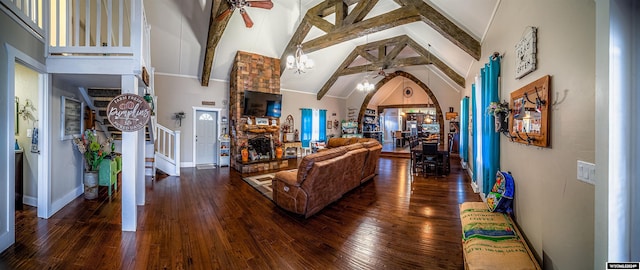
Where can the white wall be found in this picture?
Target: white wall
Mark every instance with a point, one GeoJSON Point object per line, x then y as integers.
{"type": "Point", "coordinates": [26, 87]}
{"type": "Point", "coordinates": [181, 94]}
{"type": "Point", "coordinates": [293, 101]}
{"type": "Point", "coordinates": [66, 173]}
{"type": "Point", "coordinates": [554, 210]}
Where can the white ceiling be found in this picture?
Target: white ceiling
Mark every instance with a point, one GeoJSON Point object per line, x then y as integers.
{"type": "Point", "coordinates": [179, 31]}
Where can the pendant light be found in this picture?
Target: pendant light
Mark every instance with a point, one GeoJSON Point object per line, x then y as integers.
{"type": "Point", "coordinates": [299, 62]}
{"type": "Point", "coordinates": [365, 85]}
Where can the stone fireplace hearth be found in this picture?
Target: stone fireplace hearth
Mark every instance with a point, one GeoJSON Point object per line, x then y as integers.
{"type": "Point", "coordinates": [263, 147]}
{"type": "Point", "coordinates": [261, 74]}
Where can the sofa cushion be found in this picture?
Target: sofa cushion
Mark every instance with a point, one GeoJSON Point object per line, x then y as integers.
{"type": "Point", "coordinates": [307, 162]}
{"type": "Point", "coordinates": [289, 177]}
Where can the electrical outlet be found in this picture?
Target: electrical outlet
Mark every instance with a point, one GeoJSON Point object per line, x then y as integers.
{"type": "Point", "coordinates": [29, 133]}
{"type": "Point", "coordinates": [586, 172]}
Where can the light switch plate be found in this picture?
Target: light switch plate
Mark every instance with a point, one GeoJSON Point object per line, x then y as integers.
{"type": "Point", "coordinates": [29, 132]}
{"type": "Point", "coordinates": [586, 172]}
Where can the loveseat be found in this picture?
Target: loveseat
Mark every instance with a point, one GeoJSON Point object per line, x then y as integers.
{"type": "Point", "coordinates": [323, 177]}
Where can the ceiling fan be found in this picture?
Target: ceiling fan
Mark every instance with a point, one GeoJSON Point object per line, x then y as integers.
{"type": "Point", "coordinates": [241, 4]}
{"type": "Point", "coordinates": [381, 72]}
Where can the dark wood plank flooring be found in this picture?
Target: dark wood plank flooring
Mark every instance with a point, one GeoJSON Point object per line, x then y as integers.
{"type": "Point", "coordinates": [212, 219]}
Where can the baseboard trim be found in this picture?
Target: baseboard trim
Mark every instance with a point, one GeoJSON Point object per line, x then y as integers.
{"type": "Point", "coordinates": [66, 199]}
{"type": "Point", "coordinates": [30, 201]}
{"type": "Point", "coordinates": [187, 165]}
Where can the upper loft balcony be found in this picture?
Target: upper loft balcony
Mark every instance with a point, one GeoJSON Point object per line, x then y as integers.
{"type": "Point", "coordinates": [89, 36]}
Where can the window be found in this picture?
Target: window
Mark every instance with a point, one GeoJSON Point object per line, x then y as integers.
{"type": "Point", "coordinates": [205, 117]}
{"type": "Point", "coordinates": [314, 126]}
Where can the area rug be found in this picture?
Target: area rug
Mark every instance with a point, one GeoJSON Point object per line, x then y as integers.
{"type": "Point", "coordinates": [261, 183]}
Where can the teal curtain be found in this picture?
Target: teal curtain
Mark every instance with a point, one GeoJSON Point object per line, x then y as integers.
{"type": "Point", "coordinates": [322, 134]}
{"type": "Point", "coordinates": [474, 151]}
{"type": "Point", "coordinates": [490, 138]}
{"type": "Point", "coordinates": [306, 128]}
{"type": "Point", "coordinates": [464, 129]}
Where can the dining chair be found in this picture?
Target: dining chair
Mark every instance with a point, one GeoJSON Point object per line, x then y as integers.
{"type": "Point", "coordinates": [430, 158]}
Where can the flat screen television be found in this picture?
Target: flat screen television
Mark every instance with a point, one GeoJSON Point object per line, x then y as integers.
{"type": "Point", "coordinates": [260, 104]}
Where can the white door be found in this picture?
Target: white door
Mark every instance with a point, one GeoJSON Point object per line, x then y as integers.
{"type": "Point", "coordinates": [206, 123]}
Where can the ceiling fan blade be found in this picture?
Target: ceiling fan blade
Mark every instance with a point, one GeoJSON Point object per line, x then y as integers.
{"type": "Point", "coordinates": [224, 14]}
{"type": "Point", "coordinates": [260, 4]}
{"type": "Point", "coordinates": [247, 20]}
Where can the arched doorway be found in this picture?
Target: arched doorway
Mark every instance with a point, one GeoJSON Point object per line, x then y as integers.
{"type": "Point", "coordinates": [422, 85]}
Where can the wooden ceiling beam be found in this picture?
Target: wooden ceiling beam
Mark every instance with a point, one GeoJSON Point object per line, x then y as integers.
{"type": "Point", "coordinates": [327, 85]}
{"type": "Point", "coordinates": [360, 11]}
{"type": "Point", "coordinates": [396, 63]}
{"type": "Point", "coordinates": [320, 23]}
{"type": "Point", "coordinates": [388, 60]}
{"type": "Point", "coordinates": [379, 23]}
{"type": "Point", "coordinates": [445, 27]}
{"type": "Point", "coordinates": [342, 11]}
{"type": "Point", "coordinates": [297, 38]}
{"type": "Point", "coordinates": [216, 29]}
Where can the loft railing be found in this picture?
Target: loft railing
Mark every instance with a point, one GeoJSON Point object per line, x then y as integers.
{"type": "Point", "coordinates": [99, 28]}
{"type": "Point", "coordinates": [30, 12]}
{"type": "Point", "coordinates": [168, 150]}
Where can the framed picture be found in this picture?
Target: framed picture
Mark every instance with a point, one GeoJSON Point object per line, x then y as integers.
{"type": "Point", "coordinates": [329, 124]}
{"type": "Point", "coordinates": [16, 124]}
{"type": "Point", "coordinates": [71, 116]}
{"type": "Point", "coordinates": [262, 121]}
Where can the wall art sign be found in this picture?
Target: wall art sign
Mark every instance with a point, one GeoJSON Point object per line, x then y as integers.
{"type": "Point", "coordinates": [128, 112]}
{"type": "Point", "coordinates": [71, 116]}
{"type": "Point", "coordinates": [526, 52]}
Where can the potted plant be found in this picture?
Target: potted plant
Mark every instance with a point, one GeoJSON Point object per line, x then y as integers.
{"type": "Point", "coordinates": [93, 152]}
{"type": "Point", "coordinates": [500, 110]}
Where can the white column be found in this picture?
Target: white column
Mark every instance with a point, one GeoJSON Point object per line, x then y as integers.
{"type": "Point", "coordinates": [140, 174]}
{"type": "Point", "coordinates": [129, 84]}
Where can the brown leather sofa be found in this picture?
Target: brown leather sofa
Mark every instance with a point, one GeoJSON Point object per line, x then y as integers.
{"type": "Point", "coordinates": [323, 177]}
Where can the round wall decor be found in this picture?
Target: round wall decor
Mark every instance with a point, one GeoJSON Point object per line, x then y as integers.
{"type": "Point", "coordinates": [128, 112]}
{"type": "Point", "coordinates": [408, 92]}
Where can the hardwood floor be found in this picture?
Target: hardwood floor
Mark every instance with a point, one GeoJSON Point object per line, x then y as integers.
{"type": "Point", "coordinates": [212, 219]}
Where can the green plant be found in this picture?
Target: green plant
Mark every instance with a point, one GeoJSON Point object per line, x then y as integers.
{"type": "Point", "coordinates": [92, 150]}
{"type": "Point", "coordinates": [498, 107]}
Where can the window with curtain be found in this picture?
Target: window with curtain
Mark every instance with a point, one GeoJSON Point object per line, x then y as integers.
{"type": "Point", "coordinates": [314, 126]}
{"type": "Point", "coordinates": [486, 142]}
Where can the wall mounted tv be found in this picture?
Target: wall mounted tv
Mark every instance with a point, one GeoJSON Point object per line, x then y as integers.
{"type": "Point", "coordinates": [260, 104]}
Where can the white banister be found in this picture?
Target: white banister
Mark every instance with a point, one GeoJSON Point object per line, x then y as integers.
{"type": "Point", "coordinates": [168, 150]}
{"type": "Point", "coordinates": [30, 12]}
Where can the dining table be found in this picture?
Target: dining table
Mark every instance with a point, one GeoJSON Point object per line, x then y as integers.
{"type": "Point", "coordinates": [442, 152]}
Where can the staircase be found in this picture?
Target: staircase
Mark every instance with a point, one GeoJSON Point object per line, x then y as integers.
{"type": "Point", "coordinates": [162, 147]}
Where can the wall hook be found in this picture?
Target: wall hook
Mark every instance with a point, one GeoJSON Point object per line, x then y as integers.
{"type": "Point", "coordinates": [539, 102]}
{"type": "Point", "coordinates": [527, 139]}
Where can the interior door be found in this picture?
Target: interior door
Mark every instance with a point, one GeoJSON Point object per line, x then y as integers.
{"type": "Point", "coordinates": [206, 136]}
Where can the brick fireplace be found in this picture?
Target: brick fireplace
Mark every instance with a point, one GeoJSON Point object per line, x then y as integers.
{"type": "Point", "coordinates": [262, 74]}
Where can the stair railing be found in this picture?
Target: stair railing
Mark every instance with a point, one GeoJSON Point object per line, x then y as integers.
{"type": "Point", "coordinates": [167, 149]}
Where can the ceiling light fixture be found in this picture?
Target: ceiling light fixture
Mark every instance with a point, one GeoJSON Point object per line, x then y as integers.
{"type": "Point", "coordinates": [365, 85]}
{"type": "Point", "coordinates": [299, 62]}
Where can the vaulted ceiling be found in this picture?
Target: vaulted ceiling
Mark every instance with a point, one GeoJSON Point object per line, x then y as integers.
{"type": "Point", "coordinates": [346, 39]}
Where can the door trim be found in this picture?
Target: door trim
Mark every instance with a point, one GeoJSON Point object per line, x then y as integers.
{"type": "Point", "coordinates": [193, 130]}
{"type": "Point", "coordinates": [14, 55]}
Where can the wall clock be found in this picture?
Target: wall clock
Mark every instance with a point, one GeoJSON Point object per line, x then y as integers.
{"type": "Point", "coordinates": [408, 92]}
{"type": "Point", "coordinates": [526, 53]}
